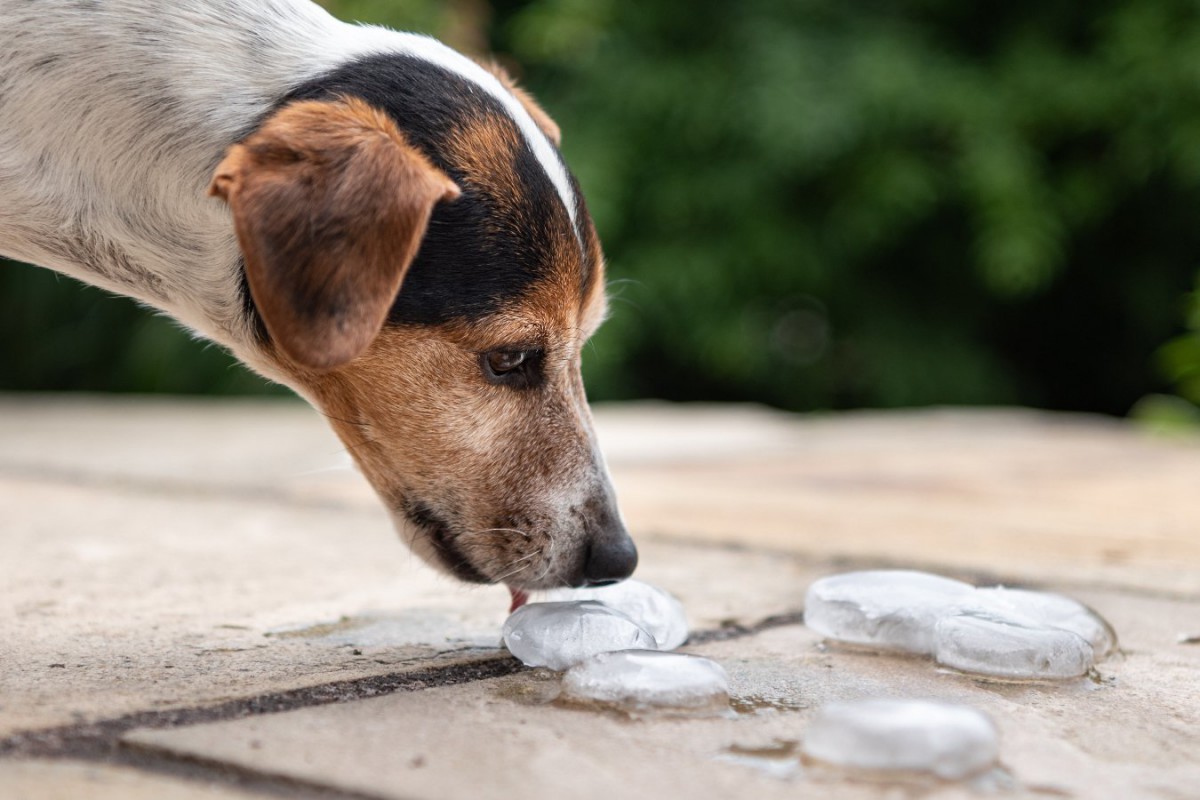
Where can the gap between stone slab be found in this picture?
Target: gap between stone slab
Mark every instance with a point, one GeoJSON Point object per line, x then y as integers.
{"type": "Point", "coordinates": [101, 741]}
{"type": "Point", "coordinates": [228, 776]}
{"type": "Point", "coordinates": [254, 495]}
{"type": "Point", "coordinates": [977, 576]}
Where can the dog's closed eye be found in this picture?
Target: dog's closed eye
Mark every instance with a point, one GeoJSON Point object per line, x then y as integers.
{"type": "Point", "coordinates": [519, 369]}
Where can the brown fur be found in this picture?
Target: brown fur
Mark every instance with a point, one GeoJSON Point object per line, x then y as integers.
{"type": "Point", "coordinates": [485, 150]}
{"type": "Point", "coordinates": [423, 423]}
{"type": "Point", "coordinates": [540, 117]}
{"type": "Point", "coordinates": [330, 204]}
{"type": "Point", "coordinates": [512, 477]}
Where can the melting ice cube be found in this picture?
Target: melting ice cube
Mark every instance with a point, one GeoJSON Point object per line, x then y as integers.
{"type": "Point", "coordinates": [1051, 610]}
{"type": "Point", "coordinates": [895, 609]}
{"type": "Point", "coordinates": [653, 609]}
{"type": "Point", "coordinates": [1005, 648]}
{"type": "Point", "coordinates": [558, 635]}
{"type": "Point", "coordinates": [1006, 633]}
{"type": "Point", "coordinates": [640, 679]}
{"type": "Point", "coordinates": [949, 741]}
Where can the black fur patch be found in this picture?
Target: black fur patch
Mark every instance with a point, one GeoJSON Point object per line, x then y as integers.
{"type": "Point", "coordinates": [479, 253]}
{"type": "Point", "coordinates": [442, 540]}
{"type": "Point", "coordinates": [249, 308]}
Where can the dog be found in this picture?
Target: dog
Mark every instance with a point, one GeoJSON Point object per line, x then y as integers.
{"type": "Point", "coordinates": [365, 216]}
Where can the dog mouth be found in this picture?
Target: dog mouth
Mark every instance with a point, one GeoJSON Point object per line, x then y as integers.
{"type": "Point", "coordinates": [519, 598]}
{"type": "Point", "coordinates": [442, 541]}
{"type": "Point", "coordinates": [492, 556]}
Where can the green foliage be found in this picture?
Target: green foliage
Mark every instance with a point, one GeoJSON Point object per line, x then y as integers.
{"type": "Point", "coordinates": [826, 204]}
{"type": "Point", "coordinates": [819, 204]}
{"type": "Point", "coordinates": [1179, 360]}
{"type": "Point", "coordinates": [56, 334]}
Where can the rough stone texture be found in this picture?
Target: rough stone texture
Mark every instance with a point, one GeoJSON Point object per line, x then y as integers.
{"type": "Point", "coordinates": [125, 600]}
{"type": "Point", "coordinates": [483, 741]}
{"type": "Point", "coordinates": [1134, 733]}
{"type": "Point", "coordinates": [1128, 735]}
{"type": "Point", "coordinates": [1036, 495]}
{"type": "Point", "coordinates": [1020, 494]}
{"type": "Point", "coordinates": [171, 554]}
{"type": "Point", "coordinates": [177, 554]}
{"type": "Point", "coordinates": [122, 601]}
{"type": "Point", "coordinates": [69, 780]}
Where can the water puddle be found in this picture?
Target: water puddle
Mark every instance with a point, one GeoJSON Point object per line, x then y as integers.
{"type": "Point", "coordinates": [537, 687]}
{"type": "Point", "coordinates": [319, 630]}
{"type": "Point", "coordinates": [757, 704]}
{"type": "Point", "coordinates": [779, 759]}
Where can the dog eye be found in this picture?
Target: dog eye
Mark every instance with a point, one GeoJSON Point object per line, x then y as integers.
{"type": "Point", "coordinates": [509, 367]}
{"type": "Point", "coordinates": [502, 361]}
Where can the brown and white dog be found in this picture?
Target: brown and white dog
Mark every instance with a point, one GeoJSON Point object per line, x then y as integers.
{"type": "Point", "coordinates": [363, 215]}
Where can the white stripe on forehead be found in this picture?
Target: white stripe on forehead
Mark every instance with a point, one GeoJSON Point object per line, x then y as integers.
{"type": "Point", "coordinates": [367, 40]}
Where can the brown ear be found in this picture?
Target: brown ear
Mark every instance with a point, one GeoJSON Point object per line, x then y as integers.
{"type": "Point", "coordinates": [330, 204]}
{"type": "Point", "coordinates": [540, 117]}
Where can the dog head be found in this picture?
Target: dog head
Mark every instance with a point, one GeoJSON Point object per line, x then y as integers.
{"type": "Point", "coordinates": [426, 274]}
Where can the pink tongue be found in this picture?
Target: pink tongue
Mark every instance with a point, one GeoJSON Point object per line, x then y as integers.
{"type": "Point", "coordinates": [519, 598]}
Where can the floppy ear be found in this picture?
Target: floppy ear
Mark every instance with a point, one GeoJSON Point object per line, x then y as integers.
{"type": "Point", "coordinates": [540, 117]}
{"type": "Point", "coordinates": [330, 204]}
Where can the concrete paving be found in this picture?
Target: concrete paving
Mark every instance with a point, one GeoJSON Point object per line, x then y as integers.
{"type": "Point", "coordinates": [73, 780]}
{"type": "Point", "coordinates": [203, 600]}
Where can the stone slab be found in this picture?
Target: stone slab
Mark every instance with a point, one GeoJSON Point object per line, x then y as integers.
{"type": "Point", "coordinates": [119, 599]}
{"type": "Point", "coordinates": [1035, 496]}
{"type": "Point", "coordinates": [71, 780]}
{"type": "Point", "coordinates": [267, 449]}
{"type": "Point", "coordinates": [165, 554]}
{"type": "Point", "coordinates": [1038, 495]}
{"type": "Point", "coordinates": [1134, 732]}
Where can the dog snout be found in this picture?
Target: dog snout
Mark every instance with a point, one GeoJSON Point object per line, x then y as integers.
{"type": "Point", "coordinates": [611, 554]}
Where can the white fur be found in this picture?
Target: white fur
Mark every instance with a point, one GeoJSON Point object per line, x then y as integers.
{"type": "Point", "coordinates": [113, 114]}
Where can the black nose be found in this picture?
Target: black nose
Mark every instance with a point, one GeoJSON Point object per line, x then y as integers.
{"type": "Point", "coordinates": [612, 556]}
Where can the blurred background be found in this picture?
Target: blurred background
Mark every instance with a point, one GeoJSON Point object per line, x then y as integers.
{"type": "Point", "coordinates": [816, 205]}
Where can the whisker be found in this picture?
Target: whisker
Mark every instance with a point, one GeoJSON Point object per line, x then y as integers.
{"type": "Point", "coordinates": [517, 567]}
{"type": "Point", "coordinates": [505, 530]}
{"type": "Point", "coordinates": [545, 572]}
{"type": "Point", "coordinates": [623, 282]}
{"type": "Point", "coordinates": [616, 298]}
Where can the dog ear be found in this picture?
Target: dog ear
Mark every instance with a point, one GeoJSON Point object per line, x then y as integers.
{"type": "Point", "coordinates": [330, 204]}
{"type": "Point", "coordinates": [540, 117]}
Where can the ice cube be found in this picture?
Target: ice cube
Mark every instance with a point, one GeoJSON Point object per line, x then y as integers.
{"type": "Point", "coordinates": [641, 679]}
{"type": "Point", "coordinates": [1009, 647]}
{"type": "Point", "coordinates": [949, 741]}
{"type": "Point", "coordinates": [1049, 610]}
{"type": "Point", "coordinates": [559, 635]}
{"type": "Point", "coordinates": [893, 609]}
{"type": "Point", "coordinates": [652, 608]}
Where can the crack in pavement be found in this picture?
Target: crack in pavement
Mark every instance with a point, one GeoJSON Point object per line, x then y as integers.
{"type": "Point", "coordinates": [178, 488]}
{"type": "Point", "coordinates": [230, 776]}
{"type": "Point", "coordinates": [976, 575]}
{"type": "Point", "coordinates": [101, 740]}
{"type": "Point", "coordinates": [736, 630]}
